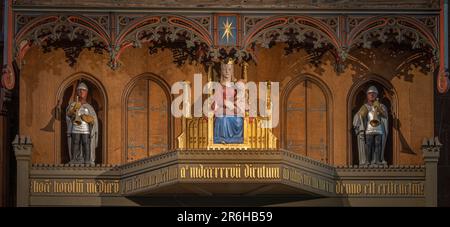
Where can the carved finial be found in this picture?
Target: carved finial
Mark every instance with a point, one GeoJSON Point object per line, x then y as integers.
{"type": "Point", "coordinates": [210, 71]}
{"type": "Point", "coordinates": [16, 140]}
{"type": "Point", "coordinates": [430, 141]}
{"type": "Point", "coordinates": [245, 71]}
{"type": "Point", "coordinates": [22, 140]}
{"type": "Point", "coordinates": [27, 140]}
{"type": "Point", "coordinates": [424, 142]}
{"type": "Point", "coordinates": [437, 142]}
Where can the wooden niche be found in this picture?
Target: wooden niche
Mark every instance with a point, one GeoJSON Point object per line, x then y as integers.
{"type": "Point", "coordinates": [387, 97]}
{"type": "Point", "coordinates": [98, 102]}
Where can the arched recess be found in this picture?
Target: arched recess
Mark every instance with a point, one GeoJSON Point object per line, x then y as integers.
{"type": "Point", "coordinates": [306, 122]}
{"type": "Point", "coordinates": [388, 96]}
{"type": "Point", "coordinates": [147, 120]}
{"type": "Point", "coordinates": [97, 97]}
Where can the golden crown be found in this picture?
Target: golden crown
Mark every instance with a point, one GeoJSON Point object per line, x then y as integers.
{"type": "Point", "coordinates": [229, 61]}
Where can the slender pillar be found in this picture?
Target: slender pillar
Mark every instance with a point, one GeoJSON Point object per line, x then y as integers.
{"type": "Point", "coordinates": [430, 151]}
{"type": "Point", "coordinates": [22, 149]}
{"type": "Point", "coordinates": [3, 161]}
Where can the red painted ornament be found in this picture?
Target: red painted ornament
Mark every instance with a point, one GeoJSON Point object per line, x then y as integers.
{"type": "Point", "coordinates": [8, 78]}
{"type": "Point", "coordinates": [443, 82]}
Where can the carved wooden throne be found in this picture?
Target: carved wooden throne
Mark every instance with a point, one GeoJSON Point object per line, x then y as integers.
{"type": "Point", "coordinates": [198, 134]}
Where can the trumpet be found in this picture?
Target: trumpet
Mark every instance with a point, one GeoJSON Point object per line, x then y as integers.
{"type": "Point", "coordinates": [77, 120]}
{"type": "Point", "coordinates": [375, 122]}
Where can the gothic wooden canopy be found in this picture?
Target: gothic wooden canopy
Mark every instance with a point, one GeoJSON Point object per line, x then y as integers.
{"type": "Point", "coordinates": [202, 32]}
{"type": "Point", "coordinates": [193, 38]}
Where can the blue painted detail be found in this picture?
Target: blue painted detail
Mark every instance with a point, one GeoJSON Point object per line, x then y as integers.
{"type": "Point", "coordinates": [227, 38]}
{"type": "Point", "coordinates": [229, 130]}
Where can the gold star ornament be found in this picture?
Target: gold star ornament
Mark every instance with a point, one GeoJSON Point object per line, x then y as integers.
{"type": "Point", "coordinates": [228, 28]}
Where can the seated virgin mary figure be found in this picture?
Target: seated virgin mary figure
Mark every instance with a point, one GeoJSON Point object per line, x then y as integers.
{"type": "Point", "coordinates": [229, 115]}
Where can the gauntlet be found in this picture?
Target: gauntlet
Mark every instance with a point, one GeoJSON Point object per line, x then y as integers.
{"type": "Point", "coordinates": [87, 118]}
{"type": "Point", "coordinates": [363, 111]}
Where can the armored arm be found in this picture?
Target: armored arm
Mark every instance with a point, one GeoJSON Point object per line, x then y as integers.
{"type": "Point", "coordinates": [381, 109]}
{"type": "Point", "coordinates": [88, 114]}
{"type": "Point", "coordinates": [88, 118]}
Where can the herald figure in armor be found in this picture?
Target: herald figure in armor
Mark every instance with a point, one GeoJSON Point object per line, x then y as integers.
{"type": "Point", "coordinates": [228, 121]}
{"type": "Point", "coordinates": [82, 128]}
{"type": "Point", "coordinates": [371, 127]}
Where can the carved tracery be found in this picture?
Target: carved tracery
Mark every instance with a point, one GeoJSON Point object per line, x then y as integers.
{"type": "Point", "coordinates": [190, 38]}
{"type": "Point", "coordinates": [70, 33]}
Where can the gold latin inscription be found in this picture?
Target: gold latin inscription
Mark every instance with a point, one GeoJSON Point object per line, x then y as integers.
{"type": "Point", "coordinates": [237, 171]}
{"type": "Point", "coordinates": [228, 172]}
{"type": "Point", "coordinates": [389, 188]}
{"type": "Point", "coordinates": [150, 179]}
{"type": "Point", "coordinates": [299, 177]}
{"type": "Point", "coordinates": [76, 186]}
